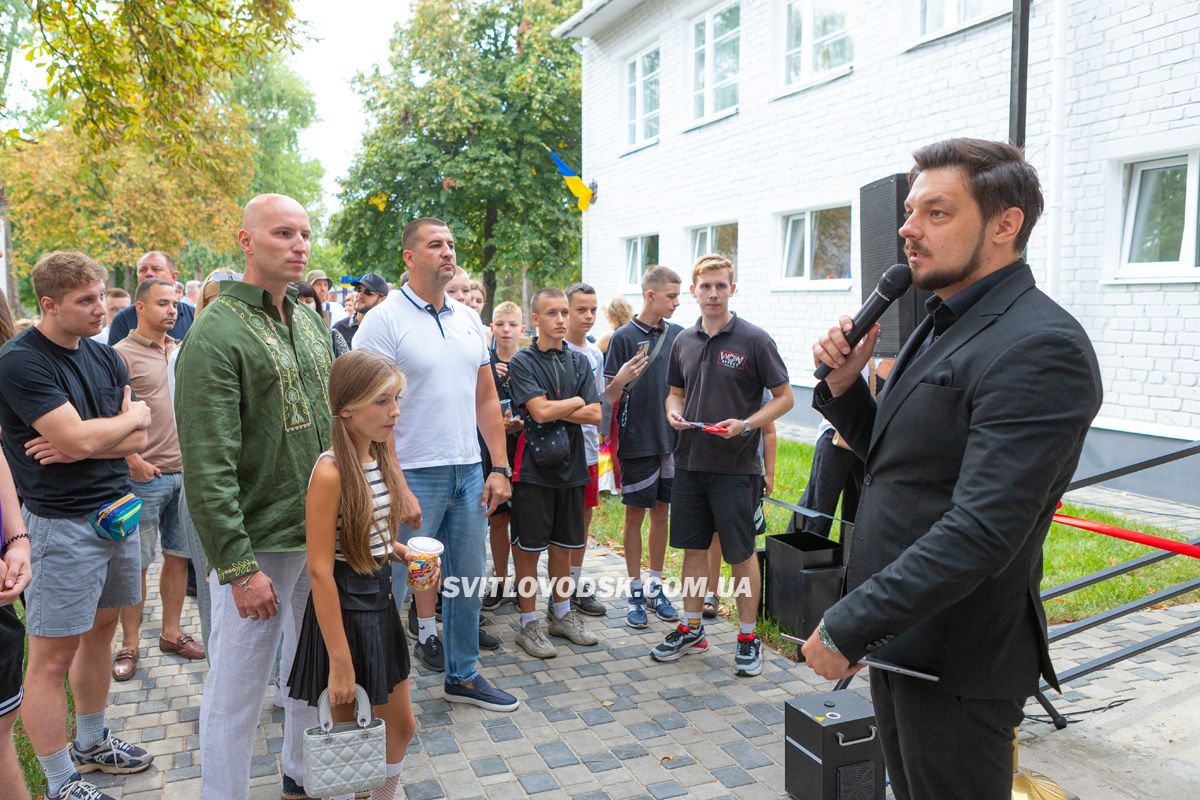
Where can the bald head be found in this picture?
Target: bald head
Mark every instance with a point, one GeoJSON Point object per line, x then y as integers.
{"type": "Point", "coordinates": [267, 205]}
{"type": "Point", "coordinates": [276, 238]}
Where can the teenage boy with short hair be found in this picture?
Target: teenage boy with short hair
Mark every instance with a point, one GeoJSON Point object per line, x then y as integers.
{"type": "Point", "coordinates": [554, 387]}
{"type": "Point", "coordinates": [581, 316]}
{"type": "Point", "coordinates": [636, 374]}
{"type": "Point", "coordinates": [507, 328]}
{"type": "Point", "coordinates": [718, 370]}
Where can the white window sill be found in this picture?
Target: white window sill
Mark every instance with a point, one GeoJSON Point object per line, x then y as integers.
{"type": "Point", "coordinates": [1133, 280]}
{"type": "Point", "coordinates": [942, 34]}
{"type": "Point", "coordinates": [819, 80]}
{"type": "Point", "coordinates": [804, 285]}
{"type": "Point", "coordinates": [709, 120]}
{"type": "Point", "coordinates": [632, 288]}
{"type": "Point", "coordinates": [634, 148]}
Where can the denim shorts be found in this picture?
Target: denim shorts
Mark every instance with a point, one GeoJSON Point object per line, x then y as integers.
{"type": "Point", "coordinates": [74, 573]}
{"type": "Point", "coordinates": [160, 516]}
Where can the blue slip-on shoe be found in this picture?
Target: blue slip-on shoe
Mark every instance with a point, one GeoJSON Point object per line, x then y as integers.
{"type": "Point", "coordinates": [482, 694]}
{"type": "Point", "coordinates": [111, 755]}
{"type": "Point", "coordinates": [76, 788]}
{"type": "Point", "coordinates": [635, 617]}
{"type": "Point", "coordinates": [660, 604]}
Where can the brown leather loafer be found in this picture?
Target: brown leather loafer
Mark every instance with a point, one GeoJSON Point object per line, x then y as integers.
{"type": "Point", "coordinates": [125, 663]}
{"type": "Point", "coordinates": [184, 646]}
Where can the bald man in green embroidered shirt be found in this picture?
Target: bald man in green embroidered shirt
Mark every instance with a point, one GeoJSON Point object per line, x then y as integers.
{"type": "Point", "coordinates": [252, 408]}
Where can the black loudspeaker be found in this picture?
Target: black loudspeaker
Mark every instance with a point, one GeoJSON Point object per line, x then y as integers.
{"type": "Point", "coordinates": [881, 213]}
{"type": "Point", "coordinates": [832, 749]}
{"type": "Point", "coordinates": [804, 578]}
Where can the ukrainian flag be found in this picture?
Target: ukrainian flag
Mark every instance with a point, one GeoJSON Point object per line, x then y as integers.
{"type": "Point", "coordinates": [574, 183]}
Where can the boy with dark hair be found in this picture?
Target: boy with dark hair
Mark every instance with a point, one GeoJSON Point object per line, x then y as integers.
{"type": "Point", "coordinates": [718, 371]}
{"type": "Point", "coordinates": [636, 372]}
{"type": "Point", "coordinates": [554, 387]}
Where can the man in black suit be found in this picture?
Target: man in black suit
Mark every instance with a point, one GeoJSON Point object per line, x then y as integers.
{"type": "Point", "coordinates": [967, 452]}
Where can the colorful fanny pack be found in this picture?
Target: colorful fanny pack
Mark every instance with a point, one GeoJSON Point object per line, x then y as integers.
{"type": "Point", "coordinates": [118, 519]}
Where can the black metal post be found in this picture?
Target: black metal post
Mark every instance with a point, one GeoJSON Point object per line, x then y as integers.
{"type": "Point", "coordinates": [1018, 87]}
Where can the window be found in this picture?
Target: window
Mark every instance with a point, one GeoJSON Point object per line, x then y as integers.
{"type": "Point", "coordinates": [640, 252]}
{"type": "Point", "coordinates": [720, 239]}
{"type": "Point", "coordinates": [641, 76]}
{"type": "Point", "coordinates": [942, 16]}
{"type": "Point", "coordinates": [816, 245]}
{"type": "Point", "coordinates": [1159, 234]}
{"type": "Point", "coordinates": [715, 59]}
{"type": "Point", "coordinates": [817, 39]}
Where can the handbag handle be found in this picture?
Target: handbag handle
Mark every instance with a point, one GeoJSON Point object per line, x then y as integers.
{"type": "Point", "coordinates": [362, 709]}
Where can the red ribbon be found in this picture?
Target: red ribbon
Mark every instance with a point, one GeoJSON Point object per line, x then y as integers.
{"type": "Point", "coordinates": [1182, 548]}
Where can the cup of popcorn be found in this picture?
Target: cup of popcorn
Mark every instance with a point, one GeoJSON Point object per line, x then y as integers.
{"type": "Point", "coordinates": [422, 569]}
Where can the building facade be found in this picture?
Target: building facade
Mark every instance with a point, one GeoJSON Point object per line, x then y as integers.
{"type": "Point", "coordinates": [748, 126]}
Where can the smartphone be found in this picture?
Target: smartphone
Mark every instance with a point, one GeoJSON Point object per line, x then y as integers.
{"type": "Point", "coordinates": [644, 348]}
{"type": "Point", "coordinates": [704, 426]}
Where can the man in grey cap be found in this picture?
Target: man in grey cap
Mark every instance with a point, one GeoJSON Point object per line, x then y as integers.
{"type": "Point", "coordinates": [331, 310]}
{"type": "Point", "coordinates": [372, 290]}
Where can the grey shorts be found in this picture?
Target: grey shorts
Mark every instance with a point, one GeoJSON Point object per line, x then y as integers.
{"type": "Point", "coordinates": [76, 572]}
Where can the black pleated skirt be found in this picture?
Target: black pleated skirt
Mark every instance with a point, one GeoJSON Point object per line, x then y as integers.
{"type": "Point", "coordinates": [374, 634]}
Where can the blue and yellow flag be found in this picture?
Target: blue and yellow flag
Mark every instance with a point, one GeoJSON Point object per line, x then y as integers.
{"type": "Point", "coordinates": [574, 183]}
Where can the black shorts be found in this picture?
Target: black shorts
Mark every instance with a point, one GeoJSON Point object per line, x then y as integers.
{"type": "Point", "coordinates": [647, 480]}
{"type": "Point", "coordinates": [704, 502]}
{"type": "Point", "coordinates": [12, 651]}
{"type": "Point", "coordinates": [543, 516]}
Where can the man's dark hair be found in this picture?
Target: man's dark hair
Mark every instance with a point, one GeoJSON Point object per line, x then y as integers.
{"type": "Point", "coordinates": [409, 235]}
{"type": "Point", "coordinates": [541, 294]}
{"type": "Point", "coordinates": [579, 288]}
{"type": "Point", "coordinates": [997, 173]}
{"type": "Point", "coordinates": [143, 289]}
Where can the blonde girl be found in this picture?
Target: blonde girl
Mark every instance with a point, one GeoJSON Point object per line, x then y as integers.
{"type": "Point", "coordinates": [352, 633]}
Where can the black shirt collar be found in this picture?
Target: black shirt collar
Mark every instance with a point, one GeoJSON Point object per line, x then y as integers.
{"type": "Point", "coordinates": [729, 326]}
{"type": "Point", "coordinates": [644, 328]}
{"type": "Point", "coordinates": [946, 312]}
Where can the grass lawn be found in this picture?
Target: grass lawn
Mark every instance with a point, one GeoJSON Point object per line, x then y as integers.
{"type": "Point", "coordinates": [1069, 553]}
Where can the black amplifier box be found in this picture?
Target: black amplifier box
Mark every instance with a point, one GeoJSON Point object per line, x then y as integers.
{"type": "Point", "coordinates": [832, 750]}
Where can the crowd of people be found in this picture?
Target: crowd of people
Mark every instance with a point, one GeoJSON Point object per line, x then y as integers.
{"type": "Point", "coordinates": [291, 448]}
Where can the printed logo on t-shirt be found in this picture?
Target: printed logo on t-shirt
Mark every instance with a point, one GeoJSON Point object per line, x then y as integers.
{"type": "Point", "coordinates": [733, 360]}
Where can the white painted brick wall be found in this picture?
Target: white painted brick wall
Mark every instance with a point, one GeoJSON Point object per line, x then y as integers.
{"type": "Point", "coordinates": [1133, 69]}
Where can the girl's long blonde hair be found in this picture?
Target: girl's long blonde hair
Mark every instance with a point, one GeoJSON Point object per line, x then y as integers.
{"type": "Point", "coordinates": [356, 380]}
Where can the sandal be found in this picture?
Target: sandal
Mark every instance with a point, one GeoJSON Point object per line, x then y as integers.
{"type": "Point", "coordinates": [710, 607]}
{"type": "Point", "coordinates": [125, 663]}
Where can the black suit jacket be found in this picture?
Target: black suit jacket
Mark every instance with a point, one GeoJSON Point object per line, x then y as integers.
{"type": "Point", "coordinates": [967, 451]}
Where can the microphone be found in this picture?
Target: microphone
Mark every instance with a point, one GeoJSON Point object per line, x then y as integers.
{"type": "Point", "coordinates": [891, 287]}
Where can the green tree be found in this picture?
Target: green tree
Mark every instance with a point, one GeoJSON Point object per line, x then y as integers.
{"type": "Point", "coordinates": [474, 91]}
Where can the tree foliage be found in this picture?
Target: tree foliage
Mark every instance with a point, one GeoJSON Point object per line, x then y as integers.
{"type": "Point", "coordinates": [144, 68]}
{"type": "Point", "coordinates": [475, 90]}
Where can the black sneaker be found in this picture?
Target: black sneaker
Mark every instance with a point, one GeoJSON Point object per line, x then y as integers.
{"type": "Point", "coordinates": [495, 594]}
{"type": "Point", "coordinates": [748, 660]}
{"type": "Point", "coordinates": [486, 640]}
{"type": "Point", "coordinates": [679, 642]}
{"type": "Point", "coordinates": [584, 601]}
{"type": "Point", "coordinates": [430, 653]}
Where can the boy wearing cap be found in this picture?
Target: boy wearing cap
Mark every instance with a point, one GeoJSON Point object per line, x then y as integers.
{"type": "Point", "coordinates": [372, 289]}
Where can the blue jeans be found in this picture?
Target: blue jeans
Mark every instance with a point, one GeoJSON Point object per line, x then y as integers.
{"type": "Point", "coordinates": [451, 513]}
{"type": "Point", "coordinates": [160, 517]}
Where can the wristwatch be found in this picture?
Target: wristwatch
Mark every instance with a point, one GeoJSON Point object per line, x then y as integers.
{"type": "Point", "coordinates": [824, 637]}
{"type": "Point", "coordinates": [505, 471]}
{"type": "Point", "coordinates": [746, 429]}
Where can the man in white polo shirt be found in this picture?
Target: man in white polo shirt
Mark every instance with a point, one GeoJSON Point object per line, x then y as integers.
{"type": "Point", "coordinates": [438, 343]}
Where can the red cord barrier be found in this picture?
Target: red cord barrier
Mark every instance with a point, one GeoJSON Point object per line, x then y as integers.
{"type": "Point", "coordinates": [1182, 548]}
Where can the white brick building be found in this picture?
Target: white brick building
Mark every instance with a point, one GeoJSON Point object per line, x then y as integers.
{"type": "Point", "coordinates": [702, 117]}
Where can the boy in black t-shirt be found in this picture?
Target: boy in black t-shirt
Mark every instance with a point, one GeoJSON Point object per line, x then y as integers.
{"type": "Point", "coordinates": [69, 421]}
{"type": "Point", "coordinates": [636, 374]}
{"type": "Point", "coordinates": [717, 373]}
{"type": "Point", "coordinates": [507, 329]}
{"type": "Point", "coordinates": [553, 386]}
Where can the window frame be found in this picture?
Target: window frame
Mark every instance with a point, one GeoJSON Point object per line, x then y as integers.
{"type": "Point", "coordinates": [809, 76]}
{"type": "Point", "coordinates": [1187, 267]}
{"type": "Point", "coordinates": [954, 23]}
{"type": "Point", "coordinates": [709, 90]}
{"type": "Point", "coordinates": [639, 119]}
{"type": "Point", "coordinates": [807, 282]}
{"type": "Point", "coordinates": [709, 231]}
{"type": "Point", "coordinates": [640, 240]}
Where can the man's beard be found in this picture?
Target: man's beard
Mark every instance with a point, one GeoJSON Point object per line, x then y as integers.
{"type": "Point", "coordinates": [949, 276]}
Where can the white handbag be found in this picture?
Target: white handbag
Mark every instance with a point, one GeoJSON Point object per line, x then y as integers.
{"type": "Point", "coordinates": [346, 757]}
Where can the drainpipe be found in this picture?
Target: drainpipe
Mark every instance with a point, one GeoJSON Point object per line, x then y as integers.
{"type": "Point", "coordinates": [1058, 148]}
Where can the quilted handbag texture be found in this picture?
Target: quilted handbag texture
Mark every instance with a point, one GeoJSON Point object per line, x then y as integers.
{"type": "Point", "coordinates": [346, 757]}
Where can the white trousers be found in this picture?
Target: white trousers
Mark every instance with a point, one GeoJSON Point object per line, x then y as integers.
{"type": "Point", "coordinates": [241, 655]}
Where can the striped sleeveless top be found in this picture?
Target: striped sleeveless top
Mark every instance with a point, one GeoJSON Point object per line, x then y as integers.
{"type": "Point", "coordinates": [381, 537]}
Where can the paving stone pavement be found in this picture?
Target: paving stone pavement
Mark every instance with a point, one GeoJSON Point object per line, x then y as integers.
{"type": "Point", "coordinates": [599, 722]}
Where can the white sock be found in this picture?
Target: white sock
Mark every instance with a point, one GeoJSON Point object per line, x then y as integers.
{"type": "Point", "coordinates": [89, 730]}
{"type": "Point", "coordinates": [58, 767]}
{"type": "Point", "coordinates": [426, 627]}
{"type": "Point", "coordinates": [528, 617]}
{"type": "Point", "coordinates": [576, 572]}
{"type": "Point", "coordinates": [745, 628]}
{"type": "Point", "coordinates": [653, 581]}
{"type": "Point", "coordinates": [390, 784]}
{"type": "Point", "coordinates": [394, 769]}
{"type": "Point", "coordinates": [561, 609]}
